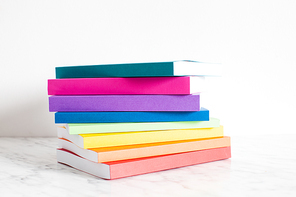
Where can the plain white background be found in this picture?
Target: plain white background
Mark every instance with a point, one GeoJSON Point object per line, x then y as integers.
{"type": "Point", "coordinates": [254, 40]}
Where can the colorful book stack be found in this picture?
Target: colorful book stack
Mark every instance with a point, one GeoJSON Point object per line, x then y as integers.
{"type": "Point", "coordinates": [129, 119]}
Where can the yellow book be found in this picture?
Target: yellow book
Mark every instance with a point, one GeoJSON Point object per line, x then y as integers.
{"type": "Point", "coordinates": [142, 137]}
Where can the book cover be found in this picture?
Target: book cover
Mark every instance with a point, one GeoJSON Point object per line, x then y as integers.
{"type": "Point", "coordinates": [84, 128]}
{"type": "Point", "coordinates": [124, 103]}
{"type": "Point", "coordinates": [131, 167]}
{"type": "Point", "coordinates": [149, 69]}
{"type": "Point", "coordinates": [108, 117]}
{"type": "Point", "coordinates": [98, 140]}
{"type": "Point", "coordinates": [133, 151]}
{"type": "Point", "coordinates": [118, 86]}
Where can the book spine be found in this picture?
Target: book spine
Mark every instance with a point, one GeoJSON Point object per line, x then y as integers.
{"type": "Point", "coordinates": [126, 168]}
{"type": "Point", "coordinates": [109, 117]}
{"type": "Point", "coordinates": [86, 128]}
{"type": "Point", "coordinates": [117, 153]}
{"type": "Point", "coordinates": [144, 85]}
{"type": "Point", "coordinates": [116, 70]}
{"type": "Point", "coordinates": [129, 138]}
{"type": "Point", "coordinates": [165, 149]}
{"type": "Point", "coordinates": [158, 163]}
{"type": "Point", "coordinates": [124, 103]}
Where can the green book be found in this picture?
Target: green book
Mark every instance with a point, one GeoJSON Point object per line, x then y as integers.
{"type": "Point", "coordinates": [84, 128]}
{"type": "Point", "coordinates": [149, 69]}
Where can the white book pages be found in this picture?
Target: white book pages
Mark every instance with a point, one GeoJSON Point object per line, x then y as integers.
{"type": "Point", "coordinates": [85, 153]}
{"type": "Point", "coordinates": [182, 68]}
{"type": "Point", "coordinates": [97, 169]}
{"type": "Point", "coordinates": [76, 139]}
{"type": "Point", "coordinates": [197, 84]}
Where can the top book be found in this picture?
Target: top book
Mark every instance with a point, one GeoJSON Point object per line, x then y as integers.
{"type": "Point", "coordinates": [149, 69]}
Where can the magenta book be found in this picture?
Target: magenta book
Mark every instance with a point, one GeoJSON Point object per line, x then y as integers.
{"type": "Point", "coordinates": [143, 85]}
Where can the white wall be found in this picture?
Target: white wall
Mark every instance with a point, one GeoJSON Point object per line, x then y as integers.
{"type": "Point", "coordinates": [255, 41]}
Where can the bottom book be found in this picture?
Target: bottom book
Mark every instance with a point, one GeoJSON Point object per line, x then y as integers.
{"type": "Point", "coordinates": [131, 167]}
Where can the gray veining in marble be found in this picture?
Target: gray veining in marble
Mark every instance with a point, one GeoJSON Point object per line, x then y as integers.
{"type": "Point", "coordinates": [260, 166]}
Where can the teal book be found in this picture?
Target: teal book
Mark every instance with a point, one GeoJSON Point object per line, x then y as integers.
{"type": "Point", "coordinates": [148, 69]}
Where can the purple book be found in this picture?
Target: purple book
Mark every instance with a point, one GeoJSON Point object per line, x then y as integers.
{"type": "Point", "coordinates": [125, 103]}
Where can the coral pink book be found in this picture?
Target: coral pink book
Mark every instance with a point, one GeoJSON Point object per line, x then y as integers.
{"type": "Point", "coordinates": [109, 86]}
{"type": "Point", "coordinates": [131, 167]}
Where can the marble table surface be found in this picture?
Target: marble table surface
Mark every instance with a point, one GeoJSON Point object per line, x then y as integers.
{"type": "Point", "coordinates": [260, 166]}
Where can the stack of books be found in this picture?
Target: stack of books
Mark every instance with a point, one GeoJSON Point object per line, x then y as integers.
{"type": "Point", "coordinates": [129, 119]}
